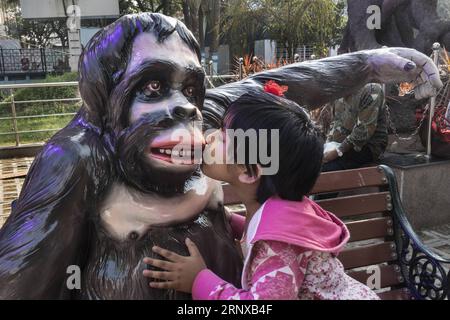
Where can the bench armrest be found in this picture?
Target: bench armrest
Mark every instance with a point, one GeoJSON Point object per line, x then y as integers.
{"type": "Point", "coordinates": [421, 268]}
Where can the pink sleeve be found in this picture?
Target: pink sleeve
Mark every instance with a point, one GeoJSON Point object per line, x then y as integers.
{"type": "Point", "coordinates": [237, 223]}
{"type": "Point", "coordinates": [276, 273]}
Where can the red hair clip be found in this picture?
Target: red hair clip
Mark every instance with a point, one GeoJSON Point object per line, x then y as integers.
{"type": "Point", "coordinates": [274, 88]}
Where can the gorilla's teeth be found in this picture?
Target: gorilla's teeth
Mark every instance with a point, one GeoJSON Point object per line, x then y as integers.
{"type": "Point", "coordinates": [161, 150]}
{"type": "Point", "coordinates": [179, 153]}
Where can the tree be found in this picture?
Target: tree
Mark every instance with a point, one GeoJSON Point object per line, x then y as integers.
{"type": "Point", "coordinates": [211, 8]}
{"type": "Point", "coordinates": [37, 33]}
{"type": "Point", "coordinates": [296, 22]}
{"type": "Point", "coordinates": [202, 17]}
{"type": "Point", "coordinates": [242, 23]}
{"type": "Point", "coordinates": [191, 10]}
{"type": "Point", "coordinates": [290, 22]}
{"type": "Point", "coordinates": [167, 7]}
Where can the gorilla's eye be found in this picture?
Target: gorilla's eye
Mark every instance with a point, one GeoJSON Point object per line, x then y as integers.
{"type": "Point", "coordinates": [154, 85]}
{"type": "Point", "coordinates": [189, 92]}
{"type": "Point", "coordinates": [152, 89]}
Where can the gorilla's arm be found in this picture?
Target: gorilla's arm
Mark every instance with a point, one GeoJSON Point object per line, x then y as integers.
{"type": "Point", "coordinates": [314, 83]}
{"type": "Point", "coordinates": [47, 229]}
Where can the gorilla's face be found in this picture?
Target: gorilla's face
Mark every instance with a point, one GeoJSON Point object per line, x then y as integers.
{"type": "Point", "coordinates": [156, 150]}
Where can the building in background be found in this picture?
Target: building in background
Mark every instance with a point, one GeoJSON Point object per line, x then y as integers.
{"type": "Point", "coordinates": [84, 19]}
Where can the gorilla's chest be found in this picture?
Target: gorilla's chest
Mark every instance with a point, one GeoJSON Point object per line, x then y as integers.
{"type": "Point", "coordinates": [128, 214]}
{"type": "Point", "coordinates": [131, 223]}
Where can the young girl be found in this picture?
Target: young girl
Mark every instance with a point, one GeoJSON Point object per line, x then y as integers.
{"type": "Point", "coordinates": [290, 243]}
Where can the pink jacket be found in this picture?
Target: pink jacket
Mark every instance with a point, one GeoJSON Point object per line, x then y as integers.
{"type": "Point", "coordinates": [290, 249]}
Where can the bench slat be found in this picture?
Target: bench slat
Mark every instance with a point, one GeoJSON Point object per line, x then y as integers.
{"type": "Point", "coordinates": [389, 276]}
{"type": "Point", "coordinates": [369, 228]}
{"type": "Point", "coordinates": [331, 181]}
{"type": "Point", "coordinates": [367, 255]}
{"type": "Point", "coordinates": [349, 179]}
{"type": "Point", "coordinates": [12, 175]}
{"type": "Point", "coordinates": [356, 205]}
{"type": "Point", "coordinates": [397, 294]}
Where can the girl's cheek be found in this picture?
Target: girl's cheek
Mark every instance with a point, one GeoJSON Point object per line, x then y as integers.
{"type": "Point", "coordinates": [217, 171]}
{"type": "Point", "coordinates": [221, 148]}
{"type": "Point", "coordinates": [213, 149]}
{"type": "Point", "coordinates": [228, 151]}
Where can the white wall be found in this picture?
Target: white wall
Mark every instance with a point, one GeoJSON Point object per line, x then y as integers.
{"type": "Point", "coordinates": [266, 50]}
{"type": "Point", "coordinates": [334, 51]}
{"type": "Point", "coordinates": [86, 34]}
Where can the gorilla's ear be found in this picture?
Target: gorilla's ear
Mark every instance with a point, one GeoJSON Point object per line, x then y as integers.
{"type": "Point", "coordinates": [94, 91]}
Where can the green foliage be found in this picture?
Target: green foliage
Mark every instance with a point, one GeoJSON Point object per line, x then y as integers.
{"type": "Point", "coordinates": [168, 7]}
{"type": "Point", "coordinates": [243, 22]}
{"type": "Point", "coordinates": [39, 33]}
{"type": "Point", "coordinates": [290, 22]}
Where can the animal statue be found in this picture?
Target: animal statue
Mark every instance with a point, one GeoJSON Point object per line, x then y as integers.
{"type": "Point", "coordinates": [105, 188]}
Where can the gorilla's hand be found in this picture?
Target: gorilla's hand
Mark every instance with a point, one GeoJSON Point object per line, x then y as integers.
{"type": "Point", "coordinates": [391, 65]}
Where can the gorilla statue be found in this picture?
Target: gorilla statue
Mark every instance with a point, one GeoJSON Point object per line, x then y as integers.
{"type": "Point", "coordinates": [104, 189]}
{"type": "Point", "coordinates": [404, 23]}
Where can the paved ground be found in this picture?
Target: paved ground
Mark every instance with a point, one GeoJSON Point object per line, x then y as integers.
{"type": "Point", "coordinates": [437, 238]}
{"type": "Point", "coordinates": [12, 175]}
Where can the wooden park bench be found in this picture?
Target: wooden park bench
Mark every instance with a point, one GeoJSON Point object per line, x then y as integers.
{"type": "Point", "coordinates": [381, 238]}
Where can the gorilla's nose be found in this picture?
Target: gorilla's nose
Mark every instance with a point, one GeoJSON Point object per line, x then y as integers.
{"type": "Point", "coordinates": [186, 112]}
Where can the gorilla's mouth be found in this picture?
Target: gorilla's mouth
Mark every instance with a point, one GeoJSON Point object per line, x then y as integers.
{"type": "Point", "coordinates": [174, 153]}
{"type": "Point", "coordinates": [182, 150]}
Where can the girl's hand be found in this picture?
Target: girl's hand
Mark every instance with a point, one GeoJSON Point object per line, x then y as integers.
{"type": "Point", "coordinates": [180, 271]}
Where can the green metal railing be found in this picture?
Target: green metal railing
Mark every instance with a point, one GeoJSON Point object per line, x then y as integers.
{"type": "Point", "coordinates": [13, 104]}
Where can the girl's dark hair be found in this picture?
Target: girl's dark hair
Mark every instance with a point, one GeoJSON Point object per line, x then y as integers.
{"type": "Point", "coordinates": [300, 146]}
